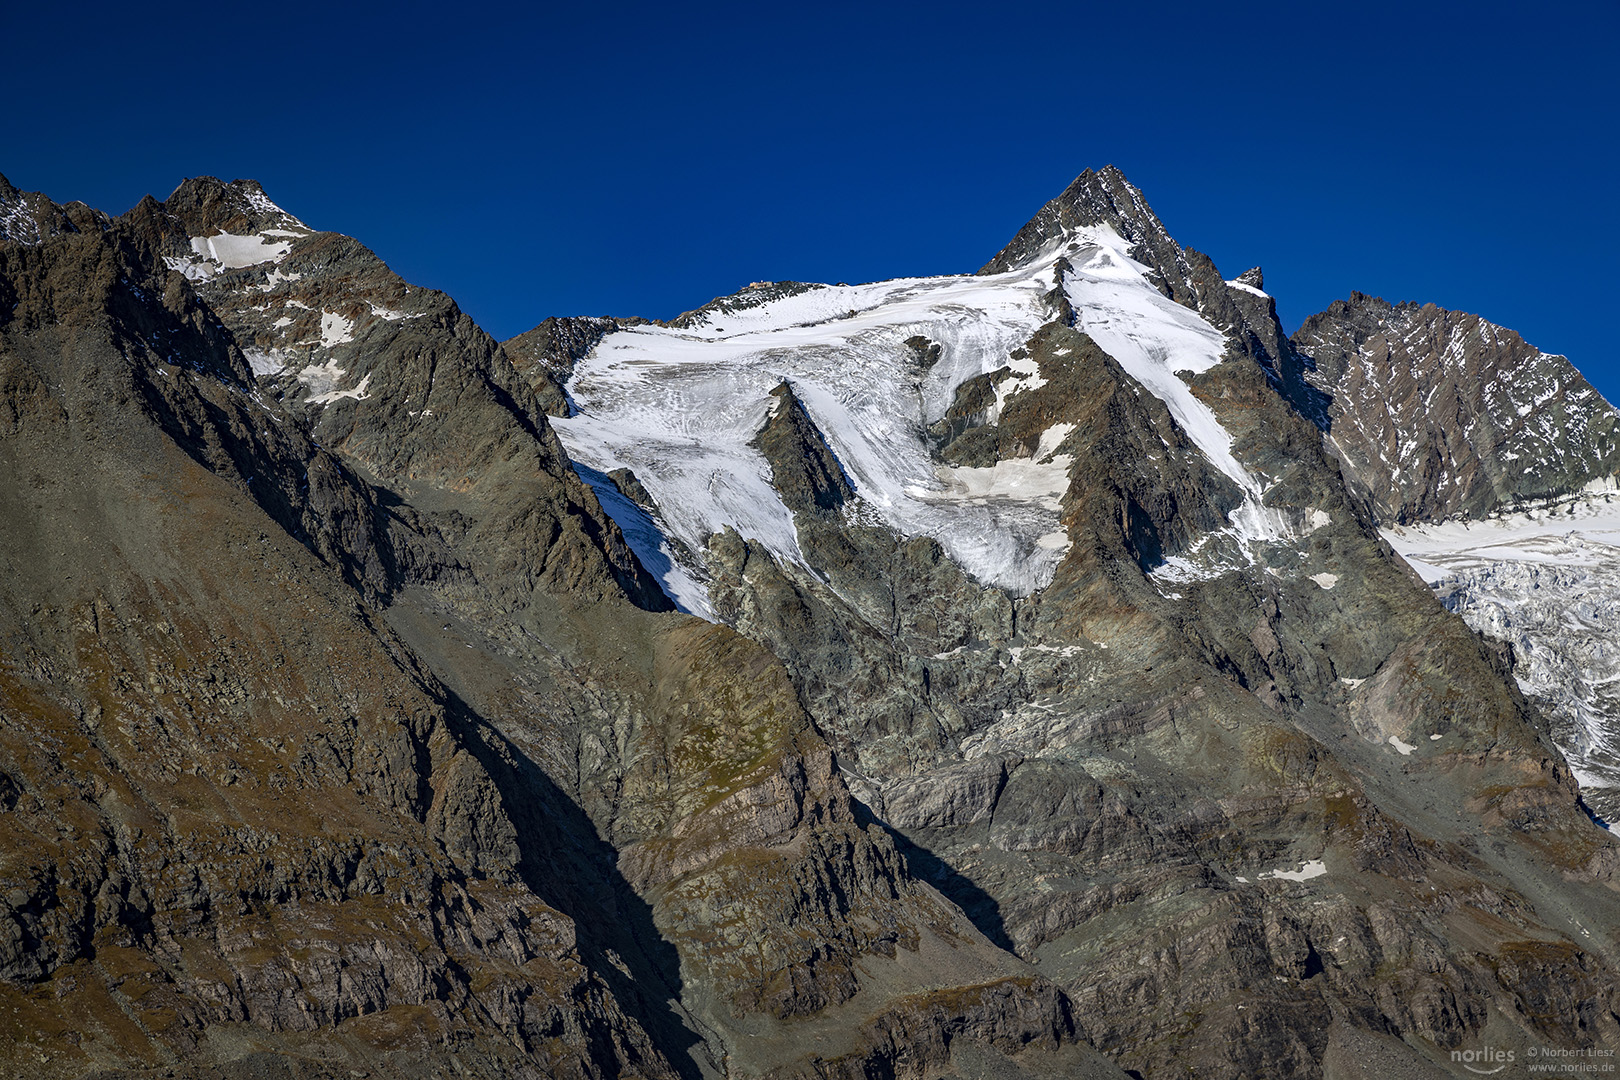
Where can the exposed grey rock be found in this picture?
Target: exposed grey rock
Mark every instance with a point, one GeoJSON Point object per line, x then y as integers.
{"type": "Point", "coordinates": [546, 355]}
{"type": "Point", "coordinates": [1439, 414]}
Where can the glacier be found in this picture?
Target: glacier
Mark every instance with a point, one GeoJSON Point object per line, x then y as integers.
{"type": "Point", "coordinates": [678, 404]}
{"type": "Point", "coordinates": [1546, 580]}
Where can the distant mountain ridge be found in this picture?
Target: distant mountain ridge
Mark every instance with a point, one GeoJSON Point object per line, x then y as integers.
{"type": "Point", "coordinates": [1438, 414]}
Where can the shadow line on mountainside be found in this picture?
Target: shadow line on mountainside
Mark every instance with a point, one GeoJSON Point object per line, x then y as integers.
{"type": "Point", "coordinates": [570, 867]}
{"type": "Point", "coordinates": [981, 909]}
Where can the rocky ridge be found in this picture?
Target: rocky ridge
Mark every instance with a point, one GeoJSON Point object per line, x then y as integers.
{"type": "Point", "coordinates": [1439, 414]}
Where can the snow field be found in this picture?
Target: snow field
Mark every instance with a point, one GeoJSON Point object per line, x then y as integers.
{"type": "Point", "coordinates": [679, 407]}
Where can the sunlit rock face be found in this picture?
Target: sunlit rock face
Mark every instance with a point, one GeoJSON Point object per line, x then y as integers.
{"type": "Point", "coordinates": [1439, 414]}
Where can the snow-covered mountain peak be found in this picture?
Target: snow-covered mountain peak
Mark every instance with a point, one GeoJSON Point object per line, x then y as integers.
{"type": "Point", "coordinates": [1100, 199]}
{"type": "Point", "coordinates": [876, 368]}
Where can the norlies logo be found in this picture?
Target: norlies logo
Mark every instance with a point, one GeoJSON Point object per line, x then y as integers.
{"type": "Point", "coordinates": [1485, 1062]}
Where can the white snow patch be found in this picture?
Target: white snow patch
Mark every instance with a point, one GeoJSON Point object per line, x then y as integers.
{"type": "Point", "coordinates": [1313, 868]}
{"type": "Point", "coordinates": [359, 393]}
{"type": "Point", "coordinates": [390, 315]}
{"type": "Point", "coordinates": [335, 329]}
{"type": "Point", "coordinates": [1244, 286]}
{"type": "Point", "coordinates": [228, 251]}
{"type": "Point", "coordinates": [1601, 485]}
{"type": "Point", "coordinates": [321, 379]}
{"type": "Point", "coordinates": [1405, 748]}
{"type": "Point", "coordinates": [265, 361]}
{"type": "Point", "coordinates": [1434, 738]}
{"type": "Point", "coordinates": [1025, 376]}
{"type": "Point", "coordinates": [1326, 581]}
{"type": "Point", "coordinates": [1181, 571]}
{"type": "Point", "coordinates": [234, 252]}
{"type": "Point", "coordinates": [1041, 479]}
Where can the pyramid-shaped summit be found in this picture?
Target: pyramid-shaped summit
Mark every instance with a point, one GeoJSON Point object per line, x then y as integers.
{"type": "Point", "coordinates": [1096, 197]}
{"type": "Point", "coordinates": [207, 205]}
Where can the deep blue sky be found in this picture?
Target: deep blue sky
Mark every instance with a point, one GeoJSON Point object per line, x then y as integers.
{"type": "Point", "coordinates": [640, 159]}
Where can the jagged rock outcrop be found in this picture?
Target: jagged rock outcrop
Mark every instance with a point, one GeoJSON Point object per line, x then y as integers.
{"type": "Point", "coordinates": [1438, 414]}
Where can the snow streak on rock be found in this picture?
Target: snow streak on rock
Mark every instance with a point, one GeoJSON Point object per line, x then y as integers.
{"type": "Point", "coordinates": [1153, 338]}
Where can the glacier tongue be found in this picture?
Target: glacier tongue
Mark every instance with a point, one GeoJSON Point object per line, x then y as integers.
{"type": "Point", "coordinates": [1548, 581]}
{"type": "Point", "coordinates": [679, 408]}
{"type": "Point", "coordinates": [679, 405]}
